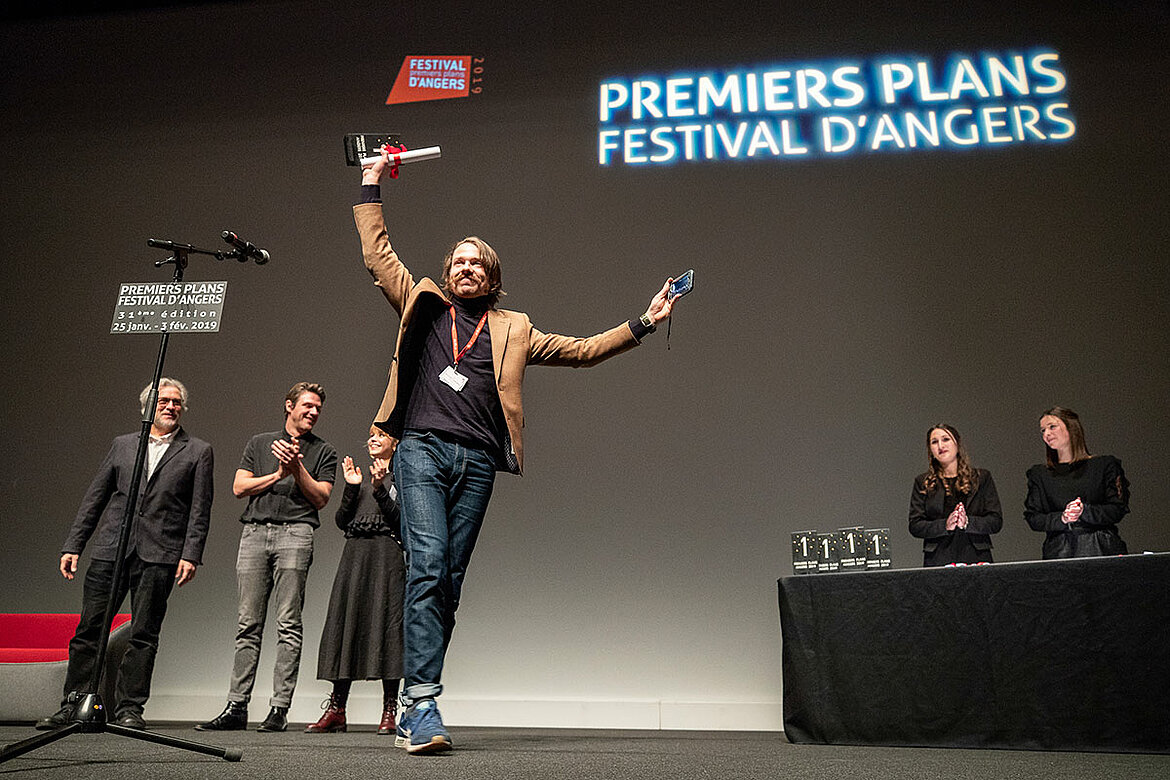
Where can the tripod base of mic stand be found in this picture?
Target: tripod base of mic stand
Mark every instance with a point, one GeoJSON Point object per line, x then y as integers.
{"type": "Point", "coordinates": [89, 717]}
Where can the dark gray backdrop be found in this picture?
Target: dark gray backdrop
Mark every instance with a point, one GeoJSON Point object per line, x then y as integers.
{"type": "Point", "coordinates": [842, 306]}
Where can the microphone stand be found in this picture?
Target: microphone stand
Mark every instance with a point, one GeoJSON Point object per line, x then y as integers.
{"type": "Point", "coordinates": [89, 712]}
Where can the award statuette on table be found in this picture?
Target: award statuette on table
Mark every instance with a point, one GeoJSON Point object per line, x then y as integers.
{"type": "Point", "coordinates": [852, 546]}
{"type": "Point", "coordinates": [804, 552]}
{"type": "Point", "coordinates": [877, 548]}
{"type": "Point", "coordinates": [828, 552]}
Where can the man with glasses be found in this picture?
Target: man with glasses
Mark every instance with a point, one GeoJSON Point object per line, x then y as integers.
{"type": "Point", "coordinates": [166, 544]}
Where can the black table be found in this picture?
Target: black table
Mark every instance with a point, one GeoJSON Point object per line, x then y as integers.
{"type": "Point", "coordinates": [1048, 655]}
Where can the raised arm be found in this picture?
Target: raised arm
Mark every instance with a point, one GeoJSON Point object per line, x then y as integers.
{"type": "Point", "coordinates": [390, 275]}
{"type": "Point", "coordinates": [351, 495]}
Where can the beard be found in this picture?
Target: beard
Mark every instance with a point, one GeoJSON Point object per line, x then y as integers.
{"type": "Point", "coordinates": [165, 425]}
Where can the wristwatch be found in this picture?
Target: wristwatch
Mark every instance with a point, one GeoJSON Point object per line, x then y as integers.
{"type": "Point", "coordinates": [646, 321]}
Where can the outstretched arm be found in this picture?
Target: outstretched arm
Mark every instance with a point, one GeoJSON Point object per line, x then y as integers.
{"type": "Point", "coordinates": [551, 349]}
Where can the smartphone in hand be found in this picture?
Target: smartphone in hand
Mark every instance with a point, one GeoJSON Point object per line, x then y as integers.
{"type": "Point", "coordinates": [682, 285]}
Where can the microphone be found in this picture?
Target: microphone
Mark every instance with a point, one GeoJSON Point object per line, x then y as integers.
{"type": "Point", "coordinates": [246, 248]}
{"type": "Point", "coordinates": [170, 246]}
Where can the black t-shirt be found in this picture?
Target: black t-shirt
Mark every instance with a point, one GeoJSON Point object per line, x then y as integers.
{"type": "Point", "coordinates": [284, 502]}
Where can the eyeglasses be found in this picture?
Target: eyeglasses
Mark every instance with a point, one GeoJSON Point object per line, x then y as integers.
{"type": "Point", "coordinates": [163, 402]}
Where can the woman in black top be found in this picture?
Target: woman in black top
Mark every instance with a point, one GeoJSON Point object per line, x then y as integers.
{"type": "Point", "coordinates": [1076, 498]}
{"type": "Point", "coordinates": [954, 508]}
{"type": "Point", "coordinates": [362, 638]}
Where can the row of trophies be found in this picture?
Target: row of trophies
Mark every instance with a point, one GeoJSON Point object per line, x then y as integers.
{"type": "Point", "coordinates": [846, 549]}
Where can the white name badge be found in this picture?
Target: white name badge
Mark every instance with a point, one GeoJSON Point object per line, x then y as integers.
{"type": "Point", "coordinates": [453, 379]}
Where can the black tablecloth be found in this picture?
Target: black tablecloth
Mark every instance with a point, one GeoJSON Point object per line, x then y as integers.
{"type": "Point", "coordinates": [1050, 655]}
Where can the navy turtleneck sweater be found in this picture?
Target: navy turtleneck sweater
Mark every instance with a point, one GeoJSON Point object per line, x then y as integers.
{"type": "Point", "coordinates": [472, 415]}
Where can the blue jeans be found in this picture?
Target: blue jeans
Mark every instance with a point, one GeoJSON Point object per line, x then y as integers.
{"type": "Point", "coordinates": [273, 561]}
{"type": "Point", "coordinates": [443, 491]}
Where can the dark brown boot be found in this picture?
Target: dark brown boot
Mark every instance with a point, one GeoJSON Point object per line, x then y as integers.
{"type": "Point", "coordinates": [389, 710]}
{"type": "Point", "coordinates": [332, 720]}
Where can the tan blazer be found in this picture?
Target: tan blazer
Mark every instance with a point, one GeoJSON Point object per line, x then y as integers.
{"type": "Point", "coordinates": [516, 344]}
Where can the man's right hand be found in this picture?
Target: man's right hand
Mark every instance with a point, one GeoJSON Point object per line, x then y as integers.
{"type": "Point", "coordinates": [288, 456]}
{"type": "Point", "coordinates": [372, 174]}
{"type": "Point", "coordinates": [69, 565]}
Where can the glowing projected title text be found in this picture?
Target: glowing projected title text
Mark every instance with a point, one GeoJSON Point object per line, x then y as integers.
{"type": "Point", "coordinates": [826, 109]}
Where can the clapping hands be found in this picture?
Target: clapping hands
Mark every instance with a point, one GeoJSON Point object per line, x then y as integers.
{"type": "Point", "coordinates": [288, 455]}
{"type": "Point", "coordinates": [379, 468]}
{"type": "Point", "coordinates": [957, 518]}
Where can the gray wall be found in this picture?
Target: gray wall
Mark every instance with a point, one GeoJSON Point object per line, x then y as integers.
{"type": "Point", "coordinates": [842, 306]}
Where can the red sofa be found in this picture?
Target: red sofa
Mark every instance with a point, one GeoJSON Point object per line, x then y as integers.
{"type": "Point", "coordinates": [34, 651]}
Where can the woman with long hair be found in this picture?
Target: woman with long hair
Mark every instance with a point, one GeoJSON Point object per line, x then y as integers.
{"type": "Point", "coordinates": [954, 507]}
{"type": "Point", "coordinates": [1075, 498]}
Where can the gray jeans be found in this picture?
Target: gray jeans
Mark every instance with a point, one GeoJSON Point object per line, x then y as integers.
{"type": "Point", "coordinates": [273, 561]}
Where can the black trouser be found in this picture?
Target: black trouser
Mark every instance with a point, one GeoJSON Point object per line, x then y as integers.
{"type": "Point", "coordinates": [149, 585]}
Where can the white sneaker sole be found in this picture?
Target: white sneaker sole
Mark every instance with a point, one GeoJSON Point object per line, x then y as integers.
{"type": "Point", "coordinates": [438, 744]}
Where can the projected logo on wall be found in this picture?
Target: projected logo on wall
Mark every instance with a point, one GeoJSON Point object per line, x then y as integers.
{"type": "Point", "coordinates": [836, 108]}
{"type": "Point", "coordinates": [437, 77]}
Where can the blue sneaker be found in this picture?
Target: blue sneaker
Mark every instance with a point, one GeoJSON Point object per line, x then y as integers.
{"type": "Point", "coordinates": [420, 729]}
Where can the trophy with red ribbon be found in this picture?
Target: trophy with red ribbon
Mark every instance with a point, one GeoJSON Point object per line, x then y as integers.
{"type": "Point", "coordinates": [367, 148]}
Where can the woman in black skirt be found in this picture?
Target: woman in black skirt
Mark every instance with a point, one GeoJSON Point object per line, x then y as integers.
{"type": "Point", "coordinates": [954, 507]}
{"type": "Point", "coordinates": [1075, 498]}
{"type": "Point", "coordinates": [362, 638]}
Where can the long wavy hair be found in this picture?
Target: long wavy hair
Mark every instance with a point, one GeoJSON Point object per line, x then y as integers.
{"type": "Point", "coordinates": [968, 478]}
{"type": "Point", "coordinates": [1076, 436]}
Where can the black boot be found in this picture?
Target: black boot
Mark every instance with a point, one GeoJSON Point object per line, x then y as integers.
{"type": "Point", "coordinates": [276, 720]}
{"type": "Point", "coordinates": [58, 719]}
{"type": "Point", "coordinates": [233, 718]}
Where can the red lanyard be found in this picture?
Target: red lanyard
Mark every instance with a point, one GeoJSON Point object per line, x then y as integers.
{"type": "Point", "coordinates": [459, 353]}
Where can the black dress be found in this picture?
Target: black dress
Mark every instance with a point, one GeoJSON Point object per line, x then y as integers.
{"type": "Point", "coordinates": [1101, 485]}
{"type": "Point", "coordinates": [928, 520]}
{"type": "Point", "coordinates": [362, 638]}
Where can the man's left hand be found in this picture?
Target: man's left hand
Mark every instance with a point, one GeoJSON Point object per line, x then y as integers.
{"type": "Point", "coordinates": [287, 454]}
{"type": "Point", "coordinates": [185, 573]}
{"type": "Point", "coordinates": [660, 304]}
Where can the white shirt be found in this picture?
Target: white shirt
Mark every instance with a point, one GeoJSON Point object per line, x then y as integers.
{"type": "Point", "coordinates": [155, 449]}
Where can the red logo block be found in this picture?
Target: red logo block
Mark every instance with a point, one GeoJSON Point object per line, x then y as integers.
{"type": "Point", "coordinates": [431, 77]}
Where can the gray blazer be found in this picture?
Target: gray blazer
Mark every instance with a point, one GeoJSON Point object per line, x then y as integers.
{"type": "Point", "coordinates": [174, 505]}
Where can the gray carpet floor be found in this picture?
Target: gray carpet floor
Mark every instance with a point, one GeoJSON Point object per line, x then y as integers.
{"type": "Point", "coordinates": [519, 754]}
